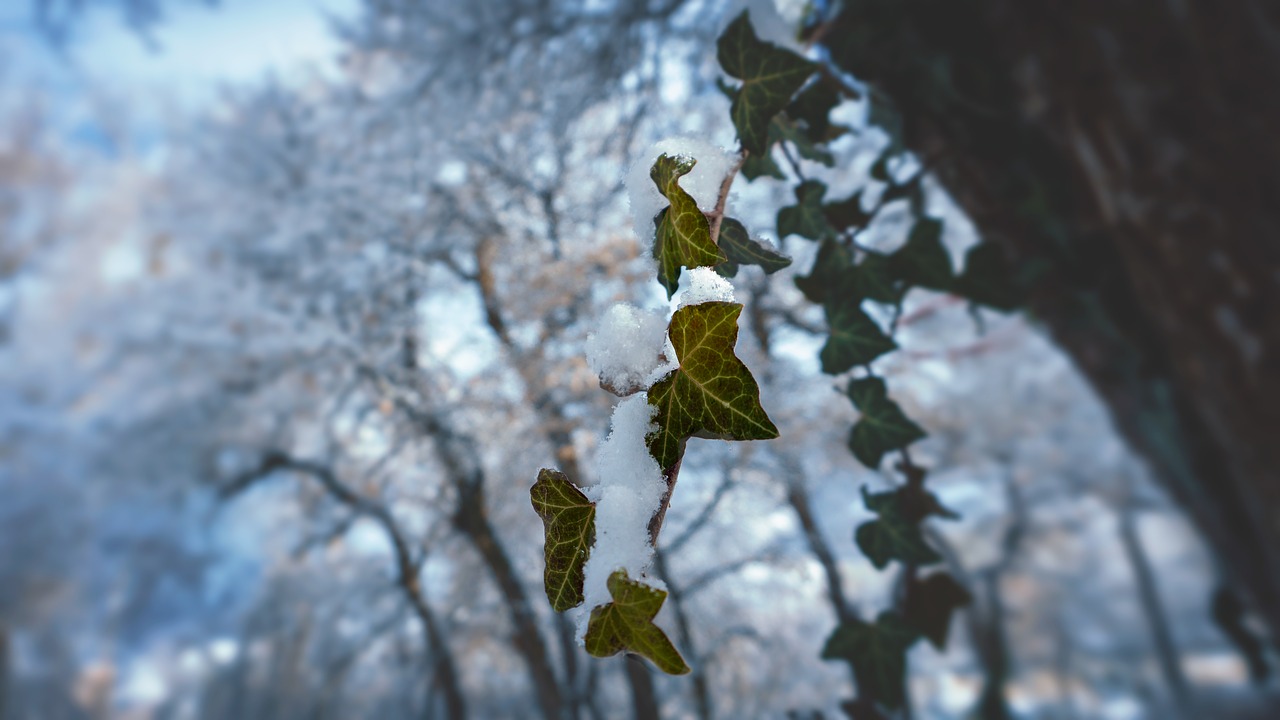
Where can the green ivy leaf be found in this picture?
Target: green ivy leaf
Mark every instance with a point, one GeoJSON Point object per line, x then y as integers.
{"type": "Point", "coordinates": [892, 538]}
{"type": "Point", "coordinates": [627, 624]}
{"type": "Point", "coordinates": [784, 129]}
{"type": "Point", "coordinates": [929, 604]}
{"type": "Point", "coordinates": [875, 280]}
{"type": "Point", "coordinates": [854, 339]}
{"type": "Point", "coordinates": [770, 75]}
{"type": "Point", "coordinates": [878, 654]}
{"type": "Point", "coordinates": [829, 277]}
{"type": "Point", "coordinates": [813, 107]}
{"type": "Point", "coordinates": [805, 218]}
{"type": "Point", "coordinates": [762, 165]}
{"type": "Point", "coordinates": [987, 279]}
{"type": "Point", "coordinates": [683, 235]}
{"type": "Point", "coordinates": [569, 520]}
{"type": "Point", "coordinates": [883, 426]}
{"type": "Point", "coordinates": [847, 214]}
{"type": "Point", "coordinates": [738, 246]}
{"type": "Point", "coordinates": [923, 260]}
{"type": "Point", "coordinates": [711, 391]}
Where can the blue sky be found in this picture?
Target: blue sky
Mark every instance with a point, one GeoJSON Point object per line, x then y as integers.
{"type": "Point", "coordinates": [201, 49]}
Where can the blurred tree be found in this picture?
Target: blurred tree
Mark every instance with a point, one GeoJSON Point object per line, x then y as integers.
{"type": "Point", "coordinates": [1125, 154]}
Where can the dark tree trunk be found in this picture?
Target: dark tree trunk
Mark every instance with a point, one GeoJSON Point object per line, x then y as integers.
{"type": "Point", "coordinates": [1126, 154]}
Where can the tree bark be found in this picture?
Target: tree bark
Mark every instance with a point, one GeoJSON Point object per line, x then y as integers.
{"type": "Point", "coordinates": [1125, 153]}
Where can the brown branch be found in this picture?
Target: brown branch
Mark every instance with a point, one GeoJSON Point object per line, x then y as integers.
{"type": "Point", "coordinates": [717, 215]}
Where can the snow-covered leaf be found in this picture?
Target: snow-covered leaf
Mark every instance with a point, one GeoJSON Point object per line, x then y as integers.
{"type": "Point", "coordinates": [683, 236]}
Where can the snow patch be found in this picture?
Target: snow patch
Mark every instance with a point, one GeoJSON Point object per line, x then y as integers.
{"type": "Point", "coordinates": [703, 182]}
{"type": "Point", "coordinates": [628, 493]}
{"type": "Point", "coordinates": [625, 351]}
{"type": "Point", "coordinates": [706, 285]}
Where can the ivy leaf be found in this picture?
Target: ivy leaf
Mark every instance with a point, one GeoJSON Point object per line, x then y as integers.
{"type": "Point", "coordinates": [854, 339]}
{"type": "Point", "coordinates": [805, 218]}
{"type": "Point", "coordinates": [878, 654]}
{"type": "Point", "coordinates": [761, 165]}
{"type": "Point", "coordinates": [875, 280]}
{"type": "Point", "coordinates": [785, 129]}
{"type": "Point", "coordinates": [569, 520]}
{"type": "Point", "coordinates": [770, 75]}
{"type": "Point", "coordinates": [923, 261]}
{"type": "Point", "coordinates": [683, 236]}
{"type": "Point", "coordinates": [931, 602]}
{"type": "Point", "coordinates": [829, 276]}
{"type": "Point", "coordinates": [896, 534]}
{"type": "Point", "coordinates": [711, 391]}
{"type": "Point", "coordinates": [813, 107]}
{"type": "Point", "coordinates": [737, 244]}
{"type": "Point", "coordinates": [892, 538]}
{"type": "Point", "coordinates": [847, 214]}
{"type": "Point", "coordinates": [627, 624]}
{"type": "Point", "coordinates": [986, 279]}
{"type": "Point", "coordinates": [883, 426]}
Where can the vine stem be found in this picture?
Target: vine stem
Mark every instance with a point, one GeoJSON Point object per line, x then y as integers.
{"type": "Point", "coordinates": [717, 215]}
{"type": "Point", "coordinates": [670, 474]}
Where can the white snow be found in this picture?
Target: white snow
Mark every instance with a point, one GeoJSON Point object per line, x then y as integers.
{"type": "Point", "coordinates": [628, 493]}
{"type": "Point", "coordinates": [705, 285]}
{"type": "Point", "coordinates": [703, 182]}
{"type": "Point", "coordinates": [626, 351]}
{"type": "Point", "coordinates": [768, 20]}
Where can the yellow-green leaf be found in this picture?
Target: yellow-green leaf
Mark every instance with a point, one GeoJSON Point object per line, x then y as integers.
{"type": "Point", "coordinates": [569, 520]}
{"type": "Point", "coordinates": [712, 391]}
{"type": "Point", "coordinates": [627, 624]}
{"type": "Point", "coordinates": [683, 235]}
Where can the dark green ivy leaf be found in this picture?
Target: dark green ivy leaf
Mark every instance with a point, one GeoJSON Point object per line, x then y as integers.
{"type": "Point", "coordinates": [847, 214]}
{"type": "Point", "coordinates": [930, 603]}
{"type": "Point", "coordinates": [784, 129]}
{"type": "Point", "coordinates": [829, 278]}
{"type": "Point", "coordinates": [737, 245]}
{"type": "Point", "coordinates": [874, 279]}
{"type": "Point", "coordinates": [923, 260]}
{"type": "Point", "coordinates": [813, 107]}
{"type": "Point", "coordinates": [891, 537]}
{"type": "Point", "coordinates": [805, 218]}
{"type": "Point", "coordinates": [854, 339]}
{"type": "Point", "coordinates": [987, 279]}
{"type": "Point", "coordinates": [883, 426]}
{"type": "Point", "coordinates": [761, 165]}
{"type": "Point", "coordinates": [627, 624]}
{"type": "Point", "coordinates": [711, 392]}
{"type": "Point", "coordinates": [569, 521]}
{"type": "Point", "coordinates": [683, 235]}
{"type": "Point", "coordinates": [770, 75]}
{"type": "Point", "coordinates": [878, 654]}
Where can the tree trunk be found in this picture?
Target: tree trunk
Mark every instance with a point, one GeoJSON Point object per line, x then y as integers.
{"type": "Point", "coordinates": [1126, 154]}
